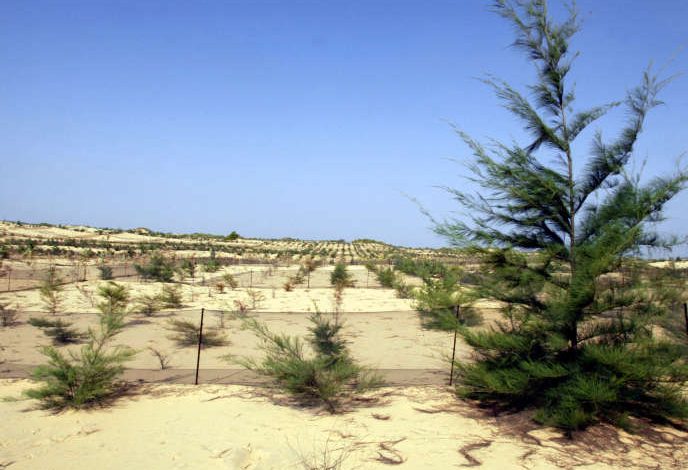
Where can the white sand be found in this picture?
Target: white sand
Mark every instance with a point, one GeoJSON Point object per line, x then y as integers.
{"type": "Point", "coordinates": [232, 427]}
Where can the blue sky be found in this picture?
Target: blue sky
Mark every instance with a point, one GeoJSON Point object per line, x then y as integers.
{"type": "Point", "coordinates": [307, 119]}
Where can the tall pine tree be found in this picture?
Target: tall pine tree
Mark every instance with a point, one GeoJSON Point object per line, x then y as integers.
{"type": "Point", "coordinates": [577, 339]}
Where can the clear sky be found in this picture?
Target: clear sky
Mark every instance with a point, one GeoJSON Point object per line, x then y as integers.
{"type": "Point", "coordinates": [309, 119]}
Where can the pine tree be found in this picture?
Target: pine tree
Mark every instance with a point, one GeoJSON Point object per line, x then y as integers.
{"type": "Point", "coordinates": [577, 340]}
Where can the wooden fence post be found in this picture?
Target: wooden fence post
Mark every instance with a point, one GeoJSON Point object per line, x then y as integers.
{"type": "Point", "coordinates": [456, 329]}
{"type": "Point", "coordinates": [200, 341]}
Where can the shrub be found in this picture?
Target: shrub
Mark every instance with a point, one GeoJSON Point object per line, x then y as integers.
{"type": "Point", "coordinates": [386, 277]}
{"type": "Point", "coordinates": [240, 306]}
{"type": "Point", "coordinates": [80, 379]}
{"type": "Point", "coordinates": [163, 359]}
{"type": "Point", "coordinates": [157, 268]}
{"type": "Point", "coordinates": [340, 277]}
{"type": "Point", "coordinates": [148, 304]}
{"type": "Point", "coordinates": [188, 266]}
{"type": "Point", "coordinates": [230, 281]}
{"type": "Point", "coordinates": [437, 300]}
{"type": "Point", "coordinates": [115, 298]}
{"type": "Point", "coordinates": [329, 375]}
{"type": "Point", "coordinates": [51, 290]}
{"type": "Point", "coordinates": [187, 334]}
{"type": "Point", "coordinates": [256, 297]}
{"type": "Point", "coordinates": [213, 265]}
{"type": "Point", "coordinates": [60, 331]}
{"type": "Point", "coordinates": [171, 297]}
{"type": "Point", "coordinates": [105, 272]}
{"type": "Point", "coordinates": [403, 289]}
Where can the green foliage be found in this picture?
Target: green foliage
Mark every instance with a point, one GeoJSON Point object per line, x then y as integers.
{"type": "Point", "coordinates": [186, 333]}
{"type": "Point", "coordinates": [576, 343]}
{"type": "Point", "coordinates": [51, 290]}
{"type": "Point", "coordinates": [443, 305]}
{"type": "Point", "coordinates": [105, 272]}
{"type": "Point", "coordinates": [83, 378]}
{"type": "Point", "coordinates": [422, 268]}
{"type": "Point", "coordinates": [148, 304]}
{"type": "Point", "coordinates": [60, 331]}
{"type": "Point", "coordinates": [232, 236]}
{"type": "Point", "coordinates": [157, 268]}
{"type": "Point", "coordinates": [230, 280]}
{"type": "Point", "coordinates": [4, 251]}
{"type": "Point", "coordinates": [386, 277]}
{"type": "Point", "coordinates": [115, 298]}
{"type": "Point", "coordinates": [188, 266]}
{"type": "Point", "coordinates": [171, 297]}
{"type": "Point", "coordinates": [213, 265]}
{"type": "Point", "coordinates": [340, 277]}
{"type": "Point", "coordinates": [329, 376]}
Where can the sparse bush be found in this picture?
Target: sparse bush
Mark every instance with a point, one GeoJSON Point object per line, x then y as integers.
{"type": "Point", "coordinates": [186, 334]}
{"type": "Point", "coordinates": [148, 304]}
{"type": "Point", "coordinates": [329, 376]}
{"type": "Point", "coordinates": [51, 290]}
{"type": "Point", "coordinates": [105, 272]}
{"type": "Point", "coordinates": [340, 277]}
{"type": "Point", "coordinates": [255, 296]}
{"type": "Point", "coordinates": [60, 331]}
{"type": "Point", "coordinates": [115, 298]}
{"type": "Point", "coordinates": [8, 316]}
{"type": "Point", "coordinates": [230, 281]}
{"type": "Point", "coordinates": [220, 287]}
{"type": "Point", "coordinates": [79, 379]}
{"type": "Point", "coordinates": [437, 300]}
{"type": "Point", "coordinates": [288, 286]}
{"type": "Point", "coordinates": [171, 297]}
{"type": "Point", "coordinates": [403, 289]}
{"type": "Point", "coordinates": [327, 457]}
{"type": "Point", "coordinates": [157, 268]}
{"type": "Point", "coordinates": [86, 294]}
{"type": "Point", "coordinates": [386, 277]}
{"type": "Point", "coordinates": [240, 306]}
{"type": "Point", "coordinates": [188, 266]}
{"type": "Point", "coordinates": [213, 265]}
{"type": "Point", "coordinates": [163, 359]}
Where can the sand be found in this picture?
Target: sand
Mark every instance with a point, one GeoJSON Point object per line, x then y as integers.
{"type": "Point", "coordinates": [235, 427]}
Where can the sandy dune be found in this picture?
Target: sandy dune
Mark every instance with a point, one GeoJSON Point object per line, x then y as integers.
{"type": "Point", "coordinates": [234, 427]}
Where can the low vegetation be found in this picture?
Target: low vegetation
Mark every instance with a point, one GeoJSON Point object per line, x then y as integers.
{"type": "Point", "coordinates": [171, 296]}
{"type": "Point", "coordinates": [115, 298]}
{"type": "Point", "coordinates": [87, 377]}
{"type": "Point", "coordinates": [328, 376]}
{"type": "Point", "coordinates": [340, 277]}
{"type": "Point", "coordinates": [444, 305]}
{"type": "Point", "coordinates": [187, 333]}
{"type": "Point", "coordinates": [51, 290]}
{"type": "Point", "coordinates": [158, 268]}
